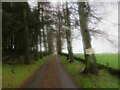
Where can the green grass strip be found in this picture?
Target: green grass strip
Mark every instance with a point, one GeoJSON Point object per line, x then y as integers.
{"type": "Point", "coordinates": [22, 73]}
{"type": "Point", "coordinates": [111, 59]}
{"type": "Point", "coordinates": [102, 80]}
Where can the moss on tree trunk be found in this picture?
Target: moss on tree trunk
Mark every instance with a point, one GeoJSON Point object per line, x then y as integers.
{"type": "Point", "coordinates": [91, 65]}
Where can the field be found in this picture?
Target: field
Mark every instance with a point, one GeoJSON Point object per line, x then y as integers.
{"type": "Point", "coordinates": [22, 72]}
{"type": "Point", "coordinates": [102, 80]}
{"type": "Point", "coordinates": [111, 59]}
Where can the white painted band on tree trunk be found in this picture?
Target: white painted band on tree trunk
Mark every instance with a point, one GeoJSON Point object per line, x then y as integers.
{"type": "Point", "coordinates": [89, 51]}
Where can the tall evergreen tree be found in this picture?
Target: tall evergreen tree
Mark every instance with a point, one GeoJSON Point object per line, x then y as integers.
{"type": "Point", "coordinates": [26, 33]}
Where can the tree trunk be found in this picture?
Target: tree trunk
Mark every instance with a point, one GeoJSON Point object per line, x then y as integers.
{"type": "Point", "coordinates": [91, 65]}
{"type": "Point", "coordinates": [37, 32]}
{"type": "Point", "coordinates": [69, 47]}
{"type": "Point", "coordinates": [59, 48]}
{"type": "Point", "coordinates": [47, 49]}
{"type": "Point", "coordinates": [26, 35]}
{"type": "Point", "coordinates": [41, 55]}
{"type": "Point", "coordinates": [44, 41]}
{"type": "Point", "coordinates": [44, 35]}
{"type": "Point", "coordinates": [68, 34]}
{"type": "Point", "coordinates": [50, 41]}
{"type": "Point", "coordinates": [40, 34]}
{"type": "Point", "coordinates": [37, 53]}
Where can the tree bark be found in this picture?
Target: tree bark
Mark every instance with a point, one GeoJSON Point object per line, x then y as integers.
{"type": "Point", "coordinates": [50, 41]}
{"type": "Point", "coordinates": [68, 34]}
{"type": "Point", "coordinates": [91, 65]}
{"type": "Point", "coordinates": [44, 41]}
{"type": "Point", "coordinates": [40, 31]}
{"type": "Point", "coordinates": [59, 46]}
{"type": "Point", "coordinates": [26, 35]}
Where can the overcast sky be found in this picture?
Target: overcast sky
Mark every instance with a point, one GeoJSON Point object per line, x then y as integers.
{"type": "Point", "coordinates": [109, 24]}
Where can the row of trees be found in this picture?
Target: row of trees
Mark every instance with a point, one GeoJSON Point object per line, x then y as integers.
{"type": "Point", "coordinates": [68, 22]}
{"type": "Point", "coordinates": [27, 31]}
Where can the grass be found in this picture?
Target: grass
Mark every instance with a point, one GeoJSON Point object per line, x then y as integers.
{"type": "Point", "coordinates": [102, 80]}
{"type": "Point", "coordinates": [22, 73]}
{"type": "Point", "coordinates": [0, 76]}
{"type": "Point", "coordinates": [111, 59]}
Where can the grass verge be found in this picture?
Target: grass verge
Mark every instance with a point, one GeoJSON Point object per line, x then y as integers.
{"type": "Point", "coordinates": [102, 80]}
{"type": "Point", "coordinates": [111, 59]}
{"type": "Point", "coordinates": [22, 73]}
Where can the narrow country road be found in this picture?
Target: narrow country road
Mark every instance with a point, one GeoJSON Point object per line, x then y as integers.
{"type": "Point", "coordinates": [51, 75]}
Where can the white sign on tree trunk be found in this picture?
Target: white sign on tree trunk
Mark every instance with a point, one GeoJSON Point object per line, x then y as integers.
{"type": "Point", "coordinates": [89, 51]}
